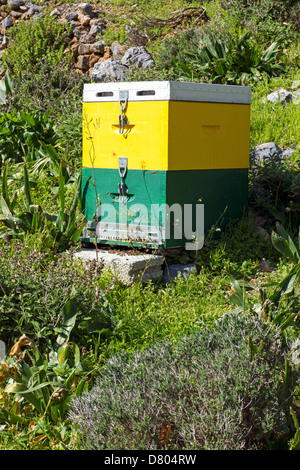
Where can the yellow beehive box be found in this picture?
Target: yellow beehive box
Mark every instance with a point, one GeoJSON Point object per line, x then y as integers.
{"type": "Point", "coordinates": [166, 125]}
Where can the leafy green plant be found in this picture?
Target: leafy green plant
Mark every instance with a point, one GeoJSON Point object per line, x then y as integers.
{"type": "Point", "coordinates": [23, 134]}
{"type": "Point", "coordinates": [239, 60]}
{"type": "Point", "coordinates": [45, 381]}
{"type": "Point", "coordinates": [281, 305]}
{"type": "Point", "coordinates": [60, 231]}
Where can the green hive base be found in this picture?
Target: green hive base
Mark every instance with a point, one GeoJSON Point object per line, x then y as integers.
{"type": "Point", "coordinates": [223, 192]}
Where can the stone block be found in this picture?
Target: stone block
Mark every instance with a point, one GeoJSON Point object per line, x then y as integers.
{"type": "Point", "coordinates": [83, 62]}
{"type": "Point", "coordinates": [84, 49]}
{"type": "Point", "coordinates": [128, 268]}
{"type": "Point", "coordinates": [98, 47]}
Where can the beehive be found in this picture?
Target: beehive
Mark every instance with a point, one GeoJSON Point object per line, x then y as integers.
{"type": "Point", "coordinates": [154, 150]}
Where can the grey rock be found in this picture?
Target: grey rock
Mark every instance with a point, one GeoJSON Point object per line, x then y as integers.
{"type": "Point", "coordinates": [15, 4]}
{"type": "Point", "coordinates": [86, 38]}
{"type": "Point", "coordinates": [7, 22]}
{"type": "Point", "coordinates": [72, 16]}
{"type": "Point", "coordinates": [287, 152]}
{"type": "Point", "coordinates": [78, 32]}
{"type": "Point", "coordinates": [138, 56]}
{"type": "Point", "coordinates": [128, 268]}
{"type": "Point", "coordinates": [86, 9]}
{"type": "Point", "coordinates": [171, 272]}
{"type": "Point", "coordinates": [56, 12]}
{"type": "Point", "coordinates": [84, 49]}
{"type": "Point", "coordinates": [96, 29]}
{"type": "Point", "coordinates": [83, 62]}
{"type": "Point", "coordinates": [33, 10]}
{"type": "Point", "coordinates": [109, 70]}
{"type": "Point", "coordinates": [98, 47]}
{"type": "Point", "coordinates": [280, 95]}
{"type": "Point", "coordinates": [265, 152]}
{"type": "Point", "coordinates": [4, 42]}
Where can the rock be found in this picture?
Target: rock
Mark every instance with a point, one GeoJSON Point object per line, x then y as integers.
{"type": "Point", "coordinates": [33, 10]}
{"type": "Point", "coordinates": [95, 29]}
{"type": "Point", "coordinates": [84, 20]}
{"type": "Point", "coordinates": [16, 14]}
{"type": "Point", "coordinates": [118, 50]}
{"type": "Point", "coordinates": [56, 12]}
{"type": "Point", "coordinates": [15, 4]}
{"type": "Point", "coordinates": [7, 22]}
{"type": "Point", "coordinates": [84, 49]}
{"type": "Point", "coordinates": [296, 91]}
{"type": "Point", "coordinates": [86, 38]}
{"type": "Point", "coordinates": [128, 268]}
{"type": "Point", "coordinates": [86, 9]}
{"type": "Point", "coordinates": [74, 49]}
{"type": "Point", "coordinates": [98, 22]}
{"type": "Point", "coordinates": [287, 152]}
{"type": "Point", "coordinates": [97, 47]}
{"type": "Point", "coordinates": [4, 43]}
{"type": "Point", "coordinates": [280, 95]}
{"type": "Point", "coordinates": [93, 59]}
{"type": "Point", "coordinates": [79, 31]}
{"type": "Point", "coordinates": [72, 16]}
{"type": "Point", "coordinates": [265, 152]}
{"type": "Point", "coordinates": [83, 63]}
{"type": "Point", "coordinates": [109, 69]}
{"type": "Point", "coordinates": [138, 56]}
{"type": "Point", "coordinates": [172, 271]}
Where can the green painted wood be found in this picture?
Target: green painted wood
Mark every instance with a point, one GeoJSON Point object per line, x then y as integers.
{"type": "Point", "coordinates": [224, 194]}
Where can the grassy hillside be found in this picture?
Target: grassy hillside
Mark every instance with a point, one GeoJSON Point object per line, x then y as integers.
{"type": "Point", "coordinates": [70, 330]}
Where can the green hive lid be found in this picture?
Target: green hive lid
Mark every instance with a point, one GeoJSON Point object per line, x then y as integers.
{"type": "Point", "coordinates": [167, 91]}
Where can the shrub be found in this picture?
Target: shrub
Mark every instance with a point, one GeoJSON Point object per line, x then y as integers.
{"type": "Point", "coordinates": [56, 92]}
{"type": "Point", "coordinates": [205, 392]}
{"type": "Point", "coordinates": [31, 41]}
{"type": "Point", "coordinates": [34, 288]}
{"type": "Point", "coordinates": [39, 48]}
{"type": "Point", "coordinates": [274, 189]}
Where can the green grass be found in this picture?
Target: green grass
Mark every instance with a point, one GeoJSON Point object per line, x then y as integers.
{"type": "Point", "coordinates": [274, 122]}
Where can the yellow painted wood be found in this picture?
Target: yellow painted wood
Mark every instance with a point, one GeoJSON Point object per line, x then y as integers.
{"type": "Point", "coordinates": [167, 135]}
{"type": "Point", "coordinates": [208, 135]}
{"type": "Point", "coordinates": [144, 142]}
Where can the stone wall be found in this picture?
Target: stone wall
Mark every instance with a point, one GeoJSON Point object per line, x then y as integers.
{"type": "Point", "coordinates": [87, 23]}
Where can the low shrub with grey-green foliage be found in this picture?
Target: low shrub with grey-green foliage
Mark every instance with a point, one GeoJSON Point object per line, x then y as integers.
{"type": "Point", "coordinates": [204, 392]}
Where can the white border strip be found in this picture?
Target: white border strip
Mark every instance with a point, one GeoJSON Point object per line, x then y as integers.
{"type": "Point", "coordinates": [167, 91]}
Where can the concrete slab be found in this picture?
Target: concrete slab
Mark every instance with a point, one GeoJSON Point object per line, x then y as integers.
{"type": "Point", "coordinates": [128, 268]}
